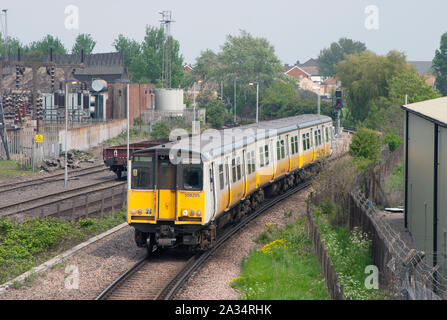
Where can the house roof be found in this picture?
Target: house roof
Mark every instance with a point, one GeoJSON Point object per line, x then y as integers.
{"type": "Point", "coordinates": [332, 80]}
{"type": "Point", "coordinates": [299, 68]}
{"type": "Point", "coordinates": [434, 110]}
{"type": "Point", "coordinates": [422, 66]}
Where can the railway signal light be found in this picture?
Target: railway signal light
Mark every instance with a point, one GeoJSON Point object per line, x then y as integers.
{"type": "Point", "coordinates": [338, 100]}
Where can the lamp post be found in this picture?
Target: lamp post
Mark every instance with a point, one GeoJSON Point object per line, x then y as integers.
{"type": "Point", "coordinates": [5, 11]}
{"type": "Point", "coordinates": [194, 103]}
{"type": "Point", "coordinates": [257, 98]}
{"type": "Point", "coordinates": [67, 82]}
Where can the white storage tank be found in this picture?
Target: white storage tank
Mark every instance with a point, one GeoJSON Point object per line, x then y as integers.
{"type": "Point", "coordinates": [169, 100]}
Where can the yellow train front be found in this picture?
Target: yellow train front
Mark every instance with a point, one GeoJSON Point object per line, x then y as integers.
{"type": "Point", "coordinates": [181, 193]}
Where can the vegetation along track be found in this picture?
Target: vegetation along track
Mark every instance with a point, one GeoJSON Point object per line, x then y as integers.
{"type": "Point", "coordinates": [143, 281]}
{"type": "Point", "coordinates": [53, 178]}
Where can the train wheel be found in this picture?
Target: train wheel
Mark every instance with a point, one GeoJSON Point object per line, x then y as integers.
{"type": "Point", "coordinates": [151, 246]}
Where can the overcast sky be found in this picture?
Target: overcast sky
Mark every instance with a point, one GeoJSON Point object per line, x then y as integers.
{"type": "Point", "coordinates": [297, 29]}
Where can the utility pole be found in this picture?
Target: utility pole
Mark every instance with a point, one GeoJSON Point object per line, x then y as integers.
{"type": "Point", "coordinates": [6, 35]}
{"type": "Point", "coordinates": [235, 100]}
{"type": "Point", "coordinates": [319, 104]}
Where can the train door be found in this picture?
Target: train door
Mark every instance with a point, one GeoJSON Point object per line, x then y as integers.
{"type": "Point", "coordinates": [244, 171]}
{"type": "Point", "coordinates": [288, 153]}
{"type": "Point", "coordinates": [212, 190]}
{"type": "Point", "coordinates": [167, 188]}
{"type": "Point", "coordinates": [228, 181]}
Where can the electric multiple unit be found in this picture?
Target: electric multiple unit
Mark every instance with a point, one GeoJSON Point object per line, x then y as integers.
{"type": "Point", "coordinates": [181, 193]}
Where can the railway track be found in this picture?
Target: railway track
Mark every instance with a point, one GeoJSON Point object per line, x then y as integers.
{"type": "Point", "coordinates": [53, 178]}
{"type": "Point", "coordinates": [26, 207]}
{"type": "Point", "coordinates": [142, 281]}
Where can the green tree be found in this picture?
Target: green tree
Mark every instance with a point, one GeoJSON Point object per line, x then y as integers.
{"type": "Point", "coordinates": [128, 47]}
{"type": "Point", "coordinates": [161, 130]}
{"type": "Point", "coordinates": [216, 114]}
{"type": "Point", "coordinates": [366, 78]}
{"type": "Point", "coordinates": [43, 46]}
{"type": "Point", "coordinates": [440, 66]}
{"type": "Point", "coordinates": [281, 95]}
{"type": "Point", "coordinates": [84, 41]}
{"type": "Point", "coordinates": [330, 57]}
{"type": "Point", "coordinates": [13, 45]}
{"type": "Point", "coordinates": [152, 53]}
{"type": "Point", "coordinates": [248, 59]}
{"type": "Point", "coordinates": [365, 147]}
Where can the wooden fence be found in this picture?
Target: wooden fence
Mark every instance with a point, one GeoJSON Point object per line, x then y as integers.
{"type": "Point", "coordinates": [335, 289]}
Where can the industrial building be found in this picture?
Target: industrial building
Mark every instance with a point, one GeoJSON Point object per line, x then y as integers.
{"type": "Point", "coordinates": [426, 178]}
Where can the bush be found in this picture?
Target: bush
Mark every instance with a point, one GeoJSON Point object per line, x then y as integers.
{"type": "Point", "coordinates": [393, 141]}
{"type": "Point", "coordinates": [161, 130]}
{"type": "Point", "coordinates": [365, 147]}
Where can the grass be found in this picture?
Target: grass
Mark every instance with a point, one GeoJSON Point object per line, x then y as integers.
{"type": "Point", "coordinates": [395, 181]}
{"type": "Point", "coordinates": [10, 168]}
{"type": "Point", "coordinates": [285, 268]}
{"type": "Point", "coordinates": [350, 253]}
{"type": "Point", "coordinates": [26, 245]}
{"type": "Point", "coordinates": [122, 137]}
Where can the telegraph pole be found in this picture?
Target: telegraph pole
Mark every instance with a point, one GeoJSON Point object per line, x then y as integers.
{"type": "Point", "coordinates": [6, 35]}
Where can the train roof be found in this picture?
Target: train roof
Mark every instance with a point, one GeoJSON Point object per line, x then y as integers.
{"type": "Point", "coordinates": [215, 143]}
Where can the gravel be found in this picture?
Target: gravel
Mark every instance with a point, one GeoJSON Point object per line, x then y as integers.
{"type": "Point", "coordinates": [212, 281]}
{"type": "Point", "coordinates": [98, 266]}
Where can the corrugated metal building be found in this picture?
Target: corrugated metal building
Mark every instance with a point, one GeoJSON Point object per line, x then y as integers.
{"type": "Point", "coordinates": [426, 178]}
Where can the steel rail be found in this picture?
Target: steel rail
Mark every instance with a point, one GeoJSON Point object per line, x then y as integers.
{"type": "Point", "coordinates": [184, 274]}
{"type": "Point", "coordinates": [174, 284]}
{"type": "Point", "coordinates": [34, 182]}
{"type": "Point", "coordinates": [78, 192]}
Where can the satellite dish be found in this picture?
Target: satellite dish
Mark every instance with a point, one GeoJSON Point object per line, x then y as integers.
{"type": "Point", "coordinates": [99, 85]}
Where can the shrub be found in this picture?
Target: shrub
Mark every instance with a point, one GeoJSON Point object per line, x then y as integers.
{"type": "Point", "coordinates": [161, 130]}
{"type": "Point", "coordinates": [365, 147]}
{"type": "Point", "coordinates": [392, 140]}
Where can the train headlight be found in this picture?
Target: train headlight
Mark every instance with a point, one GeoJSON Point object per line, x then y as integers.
{"type": "Point", "coordinates": [140, 211]}
{"type": "Point", "coordinates": [185, 213]}
{"type": "Point", "coordinates": [133, 211]}
{"type": "Point", "coordinates": [199, 213]}
{"type": "Point", "coordinates": [193, 212]}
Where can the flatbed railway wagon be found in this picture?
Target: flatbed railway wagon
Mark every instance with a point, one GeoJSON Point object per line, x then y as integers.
{"type": "Point", "coordinates": [116, 157]}
{"type": "Point", "coordinates": [182, 193]}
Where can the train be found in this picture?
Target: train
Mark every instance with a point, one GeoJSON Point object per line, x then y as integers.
{"type": "Point", "coordinates": [183, 192]}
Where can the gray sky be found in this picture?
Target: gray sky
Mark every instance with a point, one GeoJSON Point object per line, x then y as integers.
{"type": "Point", "coordinates": [298, 29]}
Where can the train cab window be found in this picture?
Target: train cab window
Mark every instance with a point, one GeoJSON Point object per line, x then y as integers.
{"type": "Point", "coordinates": [142, 173]}
{"type": "Point", "coordinates": [221, 177]}
{"type": "Point", "coordinates": [192, 178]}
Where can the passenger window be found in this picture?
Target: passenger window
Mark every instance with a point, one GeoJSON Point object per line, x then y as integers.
{"type": "Point", "coordinates": [278, 151]}
{"type": "Point", "coordinates": [221, 177]}
{"type": "Point", "coordinates": [239, 171]}
{"type": "Point", "coordinates": [283, 150]}
{"type": "Point", "coordinates": [233, 170]}
{"type": "Point", "coordinates": [253, 162]}
{"type": "Point", "coordinates": [267, 157]}
{"type": "Point", "coordinates": [192, 178]}
{"type": "Point", "coordinates": [261, 156]}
